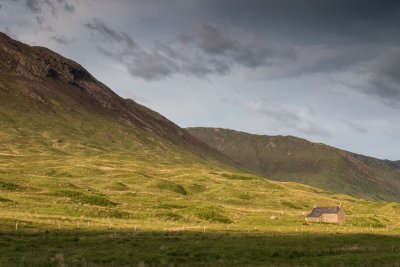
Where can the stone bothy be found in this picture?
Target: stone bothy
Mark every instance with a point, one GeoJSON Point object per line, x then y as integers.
{"type": "Point", "coordinates": [326, 214]}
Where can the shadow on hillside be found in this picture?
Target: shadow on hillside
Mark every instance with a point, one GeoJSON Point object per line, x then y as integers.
{"type": "Point", "coordinates": [123, 248]}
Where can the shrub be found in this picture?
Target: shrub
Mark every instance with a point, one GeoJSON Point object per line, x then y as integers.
{"type": "Point", "coordinates": [170, 186]}
{"type": "Point", "coordinates": [4, 200]}
{"type": "Point", "coordinates": [9, 186]}
{"type": "Point", "coordinates": [79, 197]}
{"type": "Point", "coordinates": [212, 216]}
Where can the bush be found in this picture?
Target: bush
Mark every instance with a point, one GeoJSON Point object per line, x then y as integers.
{"type": "Point", "coordinates": [170, 186]}
{"type": "Point", "coordinates": [79, 197]}
{"type": "Point", "coordinates": [213, 216]}
{"type": "Point", "coordinates": [9, 186]}
{"type": "Point", "coordinates": [4, 200]}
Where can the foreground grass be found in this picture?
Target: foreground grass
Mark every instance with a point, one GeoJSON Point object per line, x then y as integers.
{"type": "Point", "coordinates": [194, 248]}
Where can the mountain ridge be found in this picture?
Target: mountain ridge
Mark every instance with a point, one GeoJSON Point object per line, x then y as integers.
{"type": "Point", "coordinates": [288, 158]}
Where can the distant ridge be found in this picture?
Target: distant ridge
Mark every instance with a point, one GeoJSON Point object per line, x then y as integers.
{"type": "Point", "coordinates": [288, 158]}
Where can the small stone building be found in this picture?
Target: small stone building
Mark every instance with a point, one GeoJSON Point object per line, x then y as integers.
{"type": "Point", "coordinates": [326, 214]}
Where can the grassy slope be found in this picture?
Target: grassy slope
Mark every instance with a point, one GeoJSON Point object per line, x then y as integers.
{"type": "Point", "coordinates": [76, 181]}
{"type": "Point", "coordinates": [87, 171]}
{"type": "Point", "coordinates": [294, 159]}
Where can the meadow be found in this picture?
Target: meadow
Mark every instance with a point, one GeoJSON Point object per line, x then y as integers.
{"type": "Point", "coordinates": [90, 179]}
{"type": "Point", "coordinates": [118, 209]}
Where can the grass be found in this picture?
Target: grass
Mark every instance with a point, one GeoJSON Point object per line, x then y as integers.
{"type": "Point", "coordinates": [287, 158]}
{"type": "Point", "coordinates": [133, 214]}
{"type": "Point", "coordinates": [127, 247]}
{"type": "Point", "coordinates": [109, 194]}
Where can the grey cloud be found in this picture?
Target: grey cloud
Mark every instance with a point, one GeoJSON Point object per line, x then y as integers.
{"type": "Point", "coordinates": [313, 21]}
{"type": "Point", "coordinates": [252, 54]}
{"type": "Point", "coordinates": [185, 37]}
{"type": "Point", "coordinates": [382, 79]}
{"type": "Point", "coordinates": [291, 118]}
{"type": "Point", "coordinates": [41, 22]}
{"type": "Point", "coordinates": [221, 67]}
{"type": "Point", "coordinates": [61, 39]}
{"type": "Point", "coordinates": [355, 126]}
{"type": "Point", "coordinates": [39, 6]}
{"type": "Point", "coordinates": [33, 5]}
{"type": "Point", "coordinates": [106, 33]}
{"type": "Point", "coordinates": [212, 41]}
{"type": "Point", "coordinates": [152, 66]}
{"type": "Point", "coordinates": [157, 62]}
{"type": "Point", "coordinates": [257, 54]}
{"type": "Point", "coordinates": [68, 7]}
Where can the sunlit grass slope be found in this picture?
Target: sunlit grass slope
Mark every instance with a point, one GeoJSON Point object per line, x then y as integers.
{"type": "Point", "coordinates": [90, 179]}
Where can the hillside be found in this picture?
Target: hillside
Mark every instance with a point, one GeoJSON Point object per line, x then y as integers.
{"type": "Point", "coordinates": [287, 158]}
{"type": "Point", "coordinates": [50, 103]}
{"type": "Point", "coordinates": [90, 179]}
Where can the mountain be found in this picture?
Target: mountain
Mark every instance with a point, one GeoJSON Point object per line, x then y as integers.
{"type": "Point", "coordinates": [53, 104]}
{"type": "Point", "coordinates": [71, 147]}
{"type": "Point", "coordinates": [88, 178]}
{"type": "Point", "coordinates": [287, 158]}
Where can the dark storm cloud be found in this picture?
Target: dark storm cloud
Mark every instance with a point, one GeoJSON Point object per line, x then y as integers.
{"type": "Point", "coordinates": [251, 54]}
{"type": "Point", "coordinates": [313, 20]}
{"type": "Point", "coordinates": [383, 80]}
{"type": "Point", "coordinates": [212, 41]}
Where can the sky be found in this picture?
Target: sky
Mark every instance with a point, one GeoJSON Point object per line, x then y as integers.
{"type": "Point", "coordinates": [324, 70]}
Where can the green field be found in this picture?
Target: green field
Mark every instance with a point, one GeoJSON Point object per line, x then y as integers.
{"type": "Point", "coordinates": [120, 210]}
{"type": "Point", "coordinates": [116, 247]}
{"type": "Point", "coordinates": [90, 179]}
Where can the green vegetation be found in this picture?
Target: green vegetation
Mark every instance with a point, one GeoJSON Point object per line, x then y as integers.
{"type": "Point", "coordinates": [166, 185]}
{"type": "Point", "coordinates": [9, 186]}
{"type": "Point", "coordinates": [89, 179]}
{"type": "Point", "coordinates": [287, 158]}
{"type": "Point", "coordinates": [82, 198]}
{"type": "Point", "coordinates": [217, 248]}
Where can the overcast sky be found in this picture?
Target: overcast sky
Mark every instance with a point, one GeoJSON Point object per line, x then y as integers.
{"type": "Point", "coordinates": [324, 70]}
